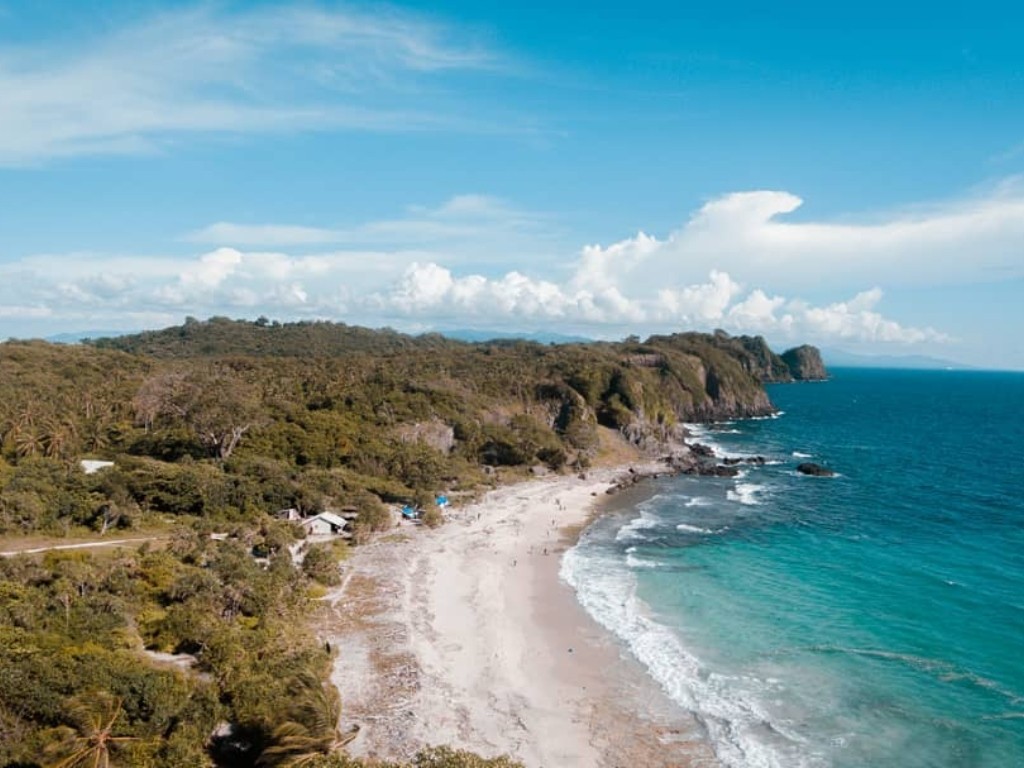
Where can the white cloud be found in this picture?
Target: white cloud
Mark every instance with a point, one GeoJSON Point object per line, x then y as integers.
{"type": "Point", "coordinates": [212, 269]}
{"type": "Point", "coordinates": [21, 311]}
{"type": "Point", "coordinates": [461, 219]}
{"type": "Point", "coordinates": [201, 70]}
{"type": "Point", "coordinates": [273, 235]}
{"type": "Point", "coordinates": [856, 320]}
{"type": "Point", "coordinates": [734, 264]}
{"type": "Point", "coordinates": [980, 238]}
{"type": "Point", "coordinates": [431, 291]}
{"type": "Point", "coordinates": [698, 303]}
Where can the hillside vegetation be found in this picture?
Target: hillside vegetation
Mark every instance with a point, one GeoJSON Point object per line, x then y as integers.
{"type": "Point", "coordinates": [214, 426]}
{"type": "Point", "coordinates": [228, 419]}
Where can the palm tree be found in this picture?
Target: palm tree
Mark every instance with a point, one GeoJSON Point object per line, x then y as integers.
{"type": "Point", "coordinates": [58, 437]}
{"type": "Point", "coordinates": [312, 728]}
{"type": "Point", "coordinates": [91, 741]}
{"type": "Point", "coordinates": [24, 434]}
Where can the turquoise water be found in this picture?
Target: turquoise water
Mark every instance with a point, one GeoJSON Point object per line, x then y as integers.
{"type": "Point", "coordinates": [875, 618]}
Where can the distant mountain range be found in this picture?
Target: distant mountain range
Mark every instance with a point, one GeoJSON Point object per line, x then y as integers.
{"type": "Point", "coordinates": [75, 337]}
{"type": "Point", "coordinates": [464, 334]}
{"type": "Point", "coordinates": [837, 358]}
{"type": "Point", "coordinates": [541, 337]}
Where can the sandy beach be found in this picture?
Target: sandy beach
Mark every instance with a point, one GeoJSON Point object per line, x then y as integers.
{"type": "Point", "coordinates": [466, 636]}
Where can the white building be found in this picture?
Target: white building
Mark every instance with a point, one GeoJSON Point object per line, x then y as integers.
{"type": "Point", "coordinates": [324, 524]}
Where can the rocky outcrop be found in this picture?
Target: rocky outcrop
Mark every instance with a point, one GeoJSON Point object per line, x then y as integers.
{"type": "Point", "coordinates": [804, 363]}
{"type": "Point", "coordinates": [436, 434]}
{"type": "Point", "coordinates": [752, 354]}
{"type": "Point", "coordinates": [699, 459]}
{"type": "Point", "coordinates": [815, 470]}
{"type": "Point", "coordinates": [756, 357]}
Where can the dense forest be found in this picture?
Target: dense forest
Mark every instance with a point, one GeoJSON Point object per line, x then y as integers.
{"type": "Point", "coordinates": [193, 652]}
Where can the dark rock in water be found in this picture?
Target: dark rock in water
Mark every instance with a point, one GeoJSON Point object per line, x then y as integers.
{"type": "Point", "coordinates": [731, 462]}
{"type": "Point", "coordinates": [809, 468]}
{"type": "Point", "coordinates": [722, 471]}
{"type": "Point", "coordinates": [699, 449]}
{"type": "Point", "coordinates": [759, 460]}
{"type": "Point", "coordinates": [805, 363]}
{"type": "Point", "coordinates": [714, 470]}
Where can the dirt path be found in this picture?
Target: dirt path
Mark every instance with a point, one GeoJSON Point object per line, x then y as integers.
{"type": "Point", "coordinates": [30, 549]}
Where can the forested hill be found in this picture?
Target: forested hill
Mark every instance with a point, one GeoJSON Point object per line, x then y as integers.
{"type": "Point", "coordinates": [220, 336]}
{"type": "Point", "coordinates": [227, 418]}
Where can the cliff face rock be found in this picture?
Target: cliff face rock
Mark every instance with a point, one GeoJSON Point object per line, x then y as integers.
{"type": "Point", "coordinates": [435, 434]}
{"type": "Point", "coordinates": [753, 355]}
{"type": "Point", "coordinates": [805, 363]}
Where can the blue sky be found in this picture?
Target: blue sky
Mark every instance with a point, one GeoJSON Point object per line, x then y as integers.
{"type": "Point", "coordinates": [845, 175]}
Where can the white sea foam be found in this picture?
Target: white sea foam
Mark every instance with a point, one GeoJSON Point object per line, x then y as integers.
{"type": "Point", "coordinates": [692, 528]}
{"type": "Point", "coordinates": [706, 436]}
{"type": "Point", "coordinates": [631, 531]}
{"type": "Point", "coordinates": [698, 501]}
{"type": "Point", "coordinates": [739, 727]}
{"type": "Point", "coordinates": [701, 433]}
{"type": "Point", "coordinates": [638, 562]}
{"type": "Point", "coordinates": [776, 415]}
{"type": "Point", "coordinates": [724, 454]}
{"type": "Point", "coordinates": [745, 493]}
{"type": "Point", "coordinates": [799, 455]}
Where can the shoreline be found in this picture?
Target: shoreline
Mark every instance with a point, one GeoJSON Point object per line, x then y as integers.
{"type": "Point", "coordinates": [467, 636]}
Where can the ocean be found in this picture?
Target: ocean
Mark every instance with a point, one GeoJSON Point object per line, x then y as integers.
{"type": "Point", "coordinates": [874, 618]}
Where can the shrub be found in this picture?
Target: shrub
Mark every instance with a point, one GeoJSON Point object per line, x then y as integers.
{"type": "Point", "coordinates": [321, 564]}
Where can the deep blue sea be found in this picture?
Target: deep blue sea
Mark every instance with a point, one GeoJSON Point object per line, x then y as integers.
{"type": "Point", "coordinates": [871, 619]}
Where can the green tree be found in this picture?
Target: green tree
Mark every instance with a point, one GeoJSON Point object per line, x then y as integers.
{"type": "Point", "coordinates": [91, 740]}
{"type": "Point", "coordinates": [312, 728]}
{"type": "Point", "coordinates": [216, 402]}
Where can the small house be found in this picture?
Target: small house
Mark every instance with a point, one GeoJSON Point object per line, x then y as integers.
{"type": "Point", "coordinates": [325, 524]}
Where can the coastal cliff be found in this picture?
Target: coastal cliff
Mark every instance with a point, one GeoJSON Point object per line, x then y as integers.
{"type": "Point", "coordinates": [805, 363]}
{"type": "Point", "coordinates": [755, 357]}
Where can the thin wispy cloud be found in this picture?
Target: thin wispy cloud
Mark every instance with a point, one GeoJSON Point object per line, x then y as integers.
{"type": "Point", "coordinates": [202, 70]}
{"type": "Point", "coordinates": [479, 220]}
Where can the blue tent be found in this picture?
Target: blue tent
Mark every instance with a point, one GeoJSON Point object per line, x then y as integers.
{"type": "Point", "coordinates": [409, 513]}
{"type": "Point", "coordinates": [441, 501]}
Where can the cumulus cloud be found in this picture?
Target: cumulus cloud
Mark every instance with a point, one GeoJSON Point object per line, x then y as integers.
{"type": "Point", "coordinates": [204, 69]}
{"type": "Point", "coordinates": [429, 290]}
{"type": "Point", "coordinates": [737, 263]}
{"type": "Point", "coordinates": [975, 239]}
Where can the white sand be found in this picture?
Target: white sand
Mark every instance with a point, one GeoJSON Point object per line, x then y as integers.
{"type": "Point", "coordinates": [466, 636]}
